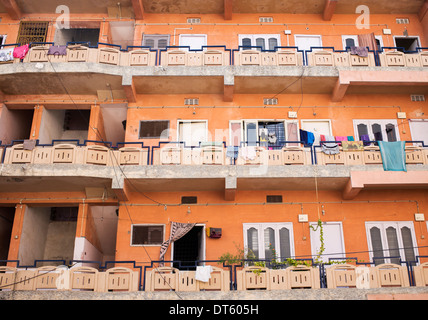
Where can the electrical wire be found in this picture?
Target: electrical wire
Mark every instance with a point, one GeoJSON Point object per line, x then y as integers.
{"type": "Point", "coordinates": [98, 134]}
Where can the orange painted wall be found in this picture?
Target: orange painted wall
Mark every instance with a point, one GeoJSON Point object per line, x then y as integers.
{"type": "Point", "coordinates": [213, 109]}
{"type": "Point", "coordinates": [230, 217]}
{"type": "Point", "coordinates": [249, 207]}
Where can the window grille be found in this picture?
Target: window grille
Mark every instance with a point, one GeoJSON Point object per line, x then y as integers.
{"type": "Point", "coordinates": [31, 31]}
{"type": "Point", "coordinates": [270, 101]}
{"type": "Point", "coordinates": [193, 20]}
{"type": "Point", "coordinates": [154, 129]}
{"type": "Point", "coordinates": [147, 234]}
{"type": "Point", "coordinates": [274, 199]}
{"type": "Point", "coordinates": [265, 19]}
{"type": "Point", "coordinates": [402, 21]}
{"type": "Point", "coordinates": [189, 200]}
{"type": "Point", "coordinates": [191, 101]}
{"type": "Point", "coordinates": [417, 97]}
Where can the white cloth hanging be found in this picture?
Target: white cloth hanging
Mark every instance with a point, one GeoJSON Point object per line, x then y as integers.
{"type": "Point", "coordinates": [248, 153]}
{"type": "Point", "coordinates": [203, 273]}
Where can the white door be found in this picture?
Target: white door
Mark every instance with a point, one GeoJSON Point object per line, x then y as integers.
{"type": "Point", "coordinates": [192, 132]}
{"type": "Point", "coordinates": [305, 42]}
{"type": "Point", "coordinates": [318, 128]}
{"type": "Point", "coordinates": [334, 246]}
{"type": "Point", "coordinates": [419, 130]}
{"type": "Point", "coordinates": [194, 41]}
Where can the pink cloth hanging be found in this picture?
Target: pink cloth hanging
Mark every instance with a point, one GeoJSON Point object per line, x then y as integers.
{"type": "Point", "coordinates": [339, 138]}
{"type": "Point", "coordinates": [20, 52]}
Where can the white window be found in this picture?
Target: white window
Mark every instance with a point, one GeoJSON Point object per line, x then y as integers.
{"type": "Point", "coordinates": [377, 130]}
{"type": "Point", "coordinates": [263, 132]}
{"type": "Point", "coordinates": [318, 128]}
{"type": "Point", "coordinates": [192, 132]}
{"type": "Point", "coordinates": [334, 246]}
{"type": "Point", "coordinates": [306, 42]}
{"type": "Point", "coordinates": [156, 41]}
{"type": "Point", "coordinates": [265, 41]}
{"type": "Point", "coordinates": [194, 41]}
{"type": "Point", "coordinates": [263, 240]}
{"type": "Point", "coordinates": [419, 130]}
{"type": "Point", "coordinates": [390, 241]}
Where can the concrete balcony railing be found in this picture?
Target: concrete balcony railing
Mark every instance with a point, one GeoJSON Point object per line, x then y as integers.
{"type": "Point", "coordinates": [400, 59]}
{"type": "Point", "coordinates": [200, 58]}
{"type": "Point", "coordinates": [339, 59]}
{"type": "Point", "coordinates": [172, 154]}
{"type": "Point", "coordinates": [258, 58]}
{"type": "Point", "coordinates": [77, 53]}
{"type": "Point", "coordinates": [76, 278]}
{"type": "Point", "coordinates": [72, 154]}
{"type": "Point", "coordinates": [212, 56]}
{"type": "Point", "coordinates": [369, 156]}
{"type": "Point", "coordinates": [341, 275]}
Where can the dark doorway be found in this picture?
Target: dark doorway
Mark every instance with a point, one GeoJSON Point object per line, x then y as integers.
{"type": "Point", "coordinates": [188, 249]}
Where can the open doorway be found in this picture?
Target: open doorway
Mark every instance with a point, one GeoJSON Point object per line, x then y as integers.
{"type": "Point", "coordinates": [60, 124]}
{"type": "Point", "coordinates": [189, 248]}
{"type": "Point", "coordinates": [7, 215]}
{"type": "Point", "coordinates": [48, 233]}
{"type": "Point", "coordinates": [15, 124]}
{"type": "Point", "coordinates": [407, 44]}
{"type": "Point", "coordinates": [79, 35]}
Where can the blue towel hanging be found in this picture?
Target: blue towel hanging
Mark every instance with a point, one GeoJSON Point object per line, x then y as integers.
{"type": "Point", "coordinates": [393, 155]}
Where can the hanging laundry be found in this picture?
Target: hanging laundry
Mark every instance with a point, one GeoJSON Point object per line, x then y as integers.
{"type": "Point", "coordinates": [248, 153]}
{"type": "Point", "coordinates": [330, 148]}
{"type": "Point", "coordinates": [203, 273]}
{"type": "Point", "coordinates": [351, 138]}
{"type": "Point", "coordinates": [365, 138]}
{"type": "Point", "coordinates": [307, 137]}
{"type": "Point", "coordinates": [378, 136]}
{"type": "Point", "coordinates": [352, 145]}
{"type": "Point", "coordinates": [21, 52]}
{"type": "Point", "coordinates": [330, 138]}
{"type": "Point", "coordinates": [6, 55]}
{"type": "Point", "coordinates": [322, 137]}
{"type": "Point", "coordinates": [360, 51]}
{"type": "Point", "coordinates": [393, 155]}
{"type": "Point", "coordinates": [341, 138]}
{"type": "Point", "coordinates": [232, 152]}
{"type": "Point", "coordinates": [57, 50]}
{"type": "Point", "coordinates": [29, 144]}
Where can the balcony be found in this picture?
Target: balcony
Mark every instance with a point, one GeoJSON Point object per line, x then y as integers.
{"type": "Point", "coordinates": [222, 277]}
{"type": "Point", "coordinates": [110, 72]}
{"type": "Point", "coordinates": [209, 167]}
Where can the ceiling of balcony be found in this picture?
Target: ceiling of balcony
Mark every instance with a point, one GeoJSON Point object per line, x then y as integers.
{"type": "Point", "coordinates": [217, 6]}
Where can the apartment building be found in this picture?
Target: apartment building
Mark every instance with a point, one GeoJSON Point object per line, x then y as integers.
{"type": "Point", "coordinates": [234, 126]}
